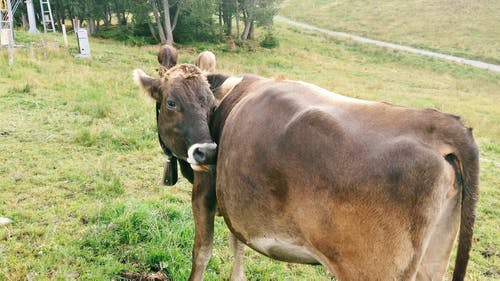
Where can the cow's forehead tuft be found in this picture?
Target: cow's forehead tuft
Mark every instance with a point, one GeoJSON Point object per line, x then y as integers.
{"type": "Point", "coordinates": [183, 71]}
{"type": "Point", "coordinates": [184, 74]}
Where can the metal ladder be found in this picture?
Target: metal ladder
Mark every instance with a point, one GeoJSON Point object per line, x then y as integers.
{"type": "Point", "coordinates": [47, 19]}
{"type": "Point", "coordinates": [6, 23]}
{"type": "Point", "coordinates": [16, 4]}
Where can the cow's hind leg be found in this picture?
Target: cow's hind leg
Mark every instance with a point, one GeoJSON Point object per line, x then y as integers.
{"type": "Point", "coordinates": [437, 254]}
{"type": "Point", "coordinates": [204, 204]}
{"type": "Point", "coordinates": [238, 248]}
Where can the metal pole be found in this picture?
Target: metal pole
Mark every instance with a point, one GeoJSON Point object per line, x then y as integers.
{"type": "Point", "coordinates": [11, 23]}
{"type": "Point", "coordinates": [6, 23]}
{"type": "Point", "coordinates": [11, 51]}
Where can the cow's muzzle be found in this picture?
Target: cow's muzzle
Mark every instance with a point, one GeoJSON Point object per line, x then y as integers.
{"type": "Point", "coordinates": [202, 154]}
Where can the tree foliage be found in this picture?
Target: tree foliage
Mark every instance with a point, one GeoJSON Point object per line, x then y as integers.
{"type": "Point", "coordinates": [166, 21]}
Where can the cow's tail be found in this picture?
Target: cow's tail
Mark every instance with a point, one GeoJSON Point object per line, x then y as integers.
{"type": "Point", "coordinates": [469, 179]}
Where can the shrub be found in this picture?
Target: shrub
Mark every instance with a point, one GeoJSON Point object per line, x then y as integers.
{"type": "Point", "coordinates": [270, 40]}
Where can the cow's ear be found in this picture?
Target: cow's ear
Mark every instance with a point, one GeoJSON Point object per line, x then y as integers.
{"type": "Point", "coordinates": [150, 85]}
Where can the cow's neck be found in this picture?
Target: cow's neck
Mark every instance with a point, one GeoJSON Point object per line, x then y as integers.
{"type": "Point", "coordinates": [233, 97]}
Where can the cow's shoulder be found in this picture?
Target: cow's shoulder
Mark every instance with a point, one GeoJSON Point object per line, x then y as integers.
{"type": "Point", "coordinates": [231, 91]}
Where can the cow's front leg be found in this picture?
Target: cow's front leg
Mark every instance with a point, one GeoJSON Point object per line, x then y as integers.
{"type": "Point", "coordinates": [204, 204]}
{"type": "Point", "coordinates": [238, 248]}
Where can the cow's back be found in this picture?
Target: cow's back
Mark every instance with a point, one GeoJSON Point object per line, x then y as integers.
{"type": "Point", "coordinates": [206, 61]}
{"type": "Point", "coordinates": [305, 136]}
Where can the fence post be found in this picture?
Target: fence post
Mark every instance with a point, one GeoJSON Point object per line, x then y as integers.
{"type": "Point", "coordinates": [65, 38]}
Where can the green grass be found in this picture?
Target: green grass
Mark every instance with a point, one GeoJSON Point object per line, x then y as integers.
{"type": "Point", "coordinates": [81, 166]}
{"type": "Point", "coordinates": [465, 28]}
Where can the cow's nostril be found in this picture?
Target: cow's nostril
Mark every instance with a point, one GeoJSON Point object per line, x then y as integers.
{"type": "Point", "coordinates": [202, 153]}
{"type": "Point", "coordinates": [199, 155]}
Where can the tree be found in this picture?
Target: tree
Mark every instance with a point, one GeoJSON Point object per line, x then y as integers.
{"type": "Point", "coordinates": [164, 20]}
{"type": "Point", "coordinates": [228, 9]}
{"type": "Point", "coordinates": [194, 20]}
{"type": "Point", "coordinates": [156, 14]}
{"type": "Point", "coordinates": [248, 10]}
{"type": "Point", "coordinates": [252, 12]}
{"type": "Point", "coordinates": [167, 23]}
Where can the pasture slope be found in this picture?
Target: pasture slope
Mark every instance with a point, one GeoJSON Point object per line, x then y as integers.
{"type": "Point", "coordinates": [81, 167]}
{"type": "Point", "coordinates": [463, 28]}
{"type": "Point", "coordinates": [475, 63]}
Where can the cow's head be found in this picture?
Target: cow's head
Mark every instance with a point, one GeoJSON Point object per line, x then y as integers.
{"type": "Point", "coordinates": [167, 56]}
{"type": "Point", "coordinates": [186, 103]}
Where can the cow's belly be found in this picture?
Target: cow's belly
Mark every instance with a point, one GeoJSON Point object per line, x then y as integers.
{"type": "Point", "coordinates": [283, 250]}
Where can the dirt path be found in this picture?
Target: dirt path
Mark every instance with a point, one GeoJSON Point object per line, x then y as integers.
{"type": "Point", "coordinates": [478, 64]}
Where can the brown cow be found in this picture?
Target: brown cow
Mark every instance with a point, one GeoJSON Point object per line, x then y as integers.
{"type": "Point", "coordinates": [370, 190]}
{"type": "Point", "coordinates": [206, 61]}
{"type": "Point", "coordinates": [203, 200]}
{"type": "Point", "coordinates": [167, 56]}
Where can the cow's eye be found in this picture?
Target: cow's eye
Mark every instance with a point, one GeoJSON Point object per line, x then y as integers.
{"type": "Point", "coordinates": [171, 104]}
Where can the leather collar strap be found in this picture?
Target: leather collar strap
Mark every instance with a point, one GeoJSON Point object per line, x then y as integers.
{"type": "Point", "coordinates": [170, 176]}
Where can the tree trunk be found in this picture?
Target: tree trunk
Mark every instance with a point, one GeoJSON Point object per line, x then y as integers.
{"type": "Point", "coordinates": [220, 14]}
{"type": "Point", "coordinates": [76, 24]}
{"type": "Point", "coordinates": [107, 16]}
{"type": "Point", "coordinates": [237, 18]}
{"type": "Point", "coordinates": [156, 15]}
{"type": "Point", "coordinates": [117, 11]}
{"type": "Point", "coordinates": [248, 20]}
{"type": "Point", "coordinates": [227, 15]}
{"type": "Point", "coordinates": [250, 33]}
{"type": "Point", "coordinates": [152, 30]}
{"type": "Point", "coordinates": [176, 16]}
{"type": "Point", "coordinates": [58, 13]}
{"type": "Point", "coordinates": [167, 23]}
{"type": "Point", "coordinates": [91, 26]}
{"type": "Point", "coordinates": [71, 16]}
{"type": "Point", "coordinates": [24, 19]}
{"type": "Point", "coordinates": [124, 18]}
{"type": "Point", "coordinates": [57, 20]}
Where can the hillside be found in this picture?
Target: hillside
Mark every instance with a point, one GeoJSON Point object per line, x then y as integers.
{"type": "Point", "coordinates": [464, 28]}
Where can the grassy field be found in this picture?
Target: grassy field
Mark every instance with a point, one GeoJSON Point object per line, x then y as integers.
{"type": "Point", "coordinates": [466, 28]}
{"type": "Point", "coordinates": [81, 166]}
